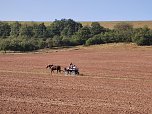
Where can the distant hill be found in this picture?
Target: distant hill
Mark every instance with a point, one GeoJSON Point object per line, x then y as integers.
{"type": "Point", "coordinates": [106, 24]}
{"type": "Point", "coordinates": [110, 24]}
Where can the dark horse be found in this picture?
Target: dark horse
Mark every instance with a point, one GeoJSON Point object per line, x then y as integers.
{"type": "Point", "coordinates": [54, 67]}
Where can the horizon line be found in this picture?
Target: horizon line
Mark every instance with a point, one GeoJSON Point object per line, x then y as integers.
{"type": "Point", "coordinates": [77, 21]}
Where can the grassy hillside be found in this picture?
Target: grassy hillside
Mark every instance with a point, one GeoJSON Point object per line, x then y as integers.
{"type": "Point", "coordinates": [47, 23]}
{"type": "Point", "coordinates": [110, 24]}
{"type": "Point", "coordinates": [106, 24]}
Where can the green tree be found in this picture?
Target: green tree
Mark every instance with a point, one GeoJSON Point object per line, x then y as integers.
{"type": "Point", "coordinates": [26, 31]}
{"type": "Point", "coordinates": [142, 36]}
{"type": "Point", "coordinates": [39, 31]}
{"type": "Point", "coordinates": [49, 43]}
{"type": "Point", "coordinates": [83, 34]}
{"type": "Point", "coordinates": [56, 27]}
{"type": "Point", "coordinates": [57, 41]}
{"type": "Point", "coordinates": [5, 29]}
{"type": "Point", "coordinates": [5, 44]}
{"type": "Point", "coordinates": [76, 40]}
{"type": "Point", "coordinates": [64, 27]}
{"type": "Point", "coordinates": [15, 29]}
{"type": "Point", "coordinates": [123, 32]}
{"type": "Point", "coordinates": [70, 27]}
{"type": "Point", "coordinates": [96, 28]}
{"type": "Point", "coordinates": [109, 37]}
{"type": "Point", "coordinates": [95, 40]}
{"type": "Point", "coordinates": [66, 41]}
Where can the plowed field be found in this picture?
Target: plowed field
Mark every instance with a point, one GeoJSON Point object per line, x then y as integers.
{"type": "Point", "coordinates": [112, 80]}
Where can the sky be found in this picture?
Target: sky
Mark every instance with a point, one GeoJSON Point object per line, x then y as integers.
{"type": "Point", "coordinates": [78, 10]}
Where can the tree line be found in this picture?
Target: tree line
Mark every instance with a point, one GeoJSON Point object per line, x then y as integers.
{"type": "Point", "coordinates": [67, 32]}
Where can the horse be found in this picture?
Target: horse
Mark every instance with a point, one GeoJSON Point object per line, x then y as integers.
{"type": "Point", "coordinates": [54, 67]}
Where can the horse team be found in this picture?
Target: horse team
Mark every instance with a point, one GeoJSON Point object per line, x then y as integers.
{"type": "Point", "coordinates": [71, 70]}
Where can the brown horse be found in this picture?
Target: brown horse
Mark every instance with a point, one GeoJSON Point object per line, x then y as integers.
{"type": "Point", "coordinates": [54, 67]}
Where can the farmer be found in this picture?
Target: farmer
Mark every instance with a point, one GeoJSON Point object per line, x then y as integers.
{"type": "Point", "coordinates": [71, 66]}
{"type": "Point", "coordinates": [74, 67]}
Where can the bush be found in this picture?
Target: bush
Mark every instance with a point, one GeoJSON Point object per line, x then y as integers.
{"type": "Point", "coordinates": [95, 40]}
{"type": "Point", "coordinates": [57, 41]}
{"type": "Point", "coordinates": [5, 44]}
{"type": "Point", "coordinates": [49, 43]}
{"type": "Point", "coordinates": [141, 41]}
{"type": "Point", "coordinates": [142, 36]}
{"type": "Point", "coordinates": [17, 44]}
{"type": "Point", "coordinates": [66, 42]}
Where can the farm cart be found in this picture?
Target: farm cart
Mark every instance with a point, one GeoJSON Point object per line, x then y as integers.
{"type": "Point", "coordinates": [71, 71]}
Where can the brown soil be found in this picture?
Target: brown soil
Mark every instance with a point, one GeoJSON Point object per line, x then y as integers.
{"type": "Point", "coordinates": [112, 80]}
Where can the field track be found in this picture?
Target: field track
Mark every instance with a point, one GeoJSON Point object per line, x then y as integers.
{"type": "Point", "coordinates": [115, 79]}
